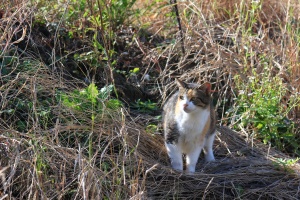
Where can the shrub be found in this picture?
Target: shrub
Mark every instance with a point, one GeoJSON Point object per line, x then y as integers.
{"type": "Point", "coordinates": [260, 110]}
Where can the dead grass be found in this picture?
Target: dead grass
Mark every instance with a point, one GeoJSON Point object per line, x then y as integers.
{"type": "Point", "coordinates": [48, 156]}
{"type": "Point", "coordinates": [222, 41]}
{"type": "Point", "coordinates": [138, 167]}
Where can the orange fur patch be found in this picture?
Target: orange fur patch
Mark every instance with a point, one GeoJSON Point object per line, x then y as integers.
{"type": "Point", "coordinates": [190, 94]}
{"type": "Point", "coordinates": [177, 108]}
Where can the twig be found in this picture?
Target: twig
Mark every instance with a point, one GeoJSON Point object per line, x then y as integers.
{"type": "Point", "coordinates": [175, 8]}
{"type": "Point", "coordinates": [205, 191]}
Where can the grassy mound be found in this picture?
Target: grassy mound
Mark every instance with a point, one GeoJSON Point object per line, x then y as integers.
{"type": "Point", "coordinates": [130, 163]}
{"type": "Point", "coordinates": [243, 170]}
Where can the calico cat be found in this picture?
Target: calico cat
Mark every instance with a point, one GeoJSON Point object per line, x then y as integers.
{"type": "Point", "coordinates": [189, 125]}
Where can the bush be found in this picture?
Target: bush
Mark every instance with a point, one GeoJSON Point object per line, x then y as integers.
{"type": "Point", "coordinates": [261, 110]}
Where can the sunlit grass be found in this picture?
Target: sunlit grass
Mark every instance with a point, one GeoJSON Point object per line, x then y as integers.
{"type": "Point", "coordinates": [67, 134]}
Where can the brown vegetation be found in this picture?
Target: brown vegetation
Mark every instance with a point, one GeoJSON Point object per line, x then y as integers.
{"type": "Point", "coordinates": [50, 150]}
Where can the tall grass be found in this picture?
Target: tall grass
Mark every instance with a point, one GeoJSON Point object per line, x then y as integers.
{"type": "Point", "coordinates": [248, 50]}
{"type": "Point", "coordinates": [66, 134]}
{"type": "Point", "coordinates": [60, 138]}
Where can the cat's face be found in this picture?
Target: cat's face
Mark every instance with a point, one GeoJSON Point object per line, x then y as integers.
{"type": "Point", "coordinates": [192, 97]}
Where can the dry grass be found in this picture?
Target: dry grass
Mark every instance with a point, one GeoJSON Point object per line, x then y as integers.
{"type": "Point", "coordinates": [140, 168]}
{"type": "Point", "coordinates": [241, 171]}
{"type": "Point", "coordinates": [44, 146]}
{"type": "Point", "coordinates": [223, 41]}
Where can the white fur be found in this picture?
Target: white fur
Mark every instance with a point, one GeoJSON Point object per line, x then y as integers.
{"type": "Point", "coordinates": [208, 148]}
{"type": "Point", "coordinates": [191, 122]}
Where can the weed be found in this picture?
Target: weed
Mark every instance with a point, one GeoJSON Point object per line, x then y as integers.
{"type": "Point", "coordinates": [285, 163]}
{"type": "Point", "coordinates": [260, 110]}
{"type": "Point", "coordinates": [135, 71]}
{"type": "Point", "coordinates": [145, 106]}
{"type": "Point", "coordinates": [90, 98]}
{"type": "Point", "coordinates": [151, 128]}
{"type": "Point", "coordinates": [92, 101]}
{"type": "Point", "coordinates": [116, 12]}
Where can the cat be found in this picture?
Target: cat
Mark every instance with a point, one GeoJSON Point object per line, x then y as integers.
{"type": "Point", "coordinates": [189, 124]}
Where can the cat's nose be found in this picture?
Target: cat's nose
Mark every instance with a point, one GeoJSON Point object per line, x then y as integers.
{"type": "Point", "coordinates": [185, 105]}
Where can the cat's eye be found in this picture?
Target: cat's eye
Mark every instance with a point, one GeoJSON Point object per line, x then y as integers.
{"type": "Point", "coordinates": [181, 97]}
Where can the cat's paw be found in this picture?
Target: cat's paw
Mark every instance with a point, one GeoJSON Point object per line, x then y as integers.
{"type": "Point", "coordinates": [177, 166]}
{"type": "Point", "coordinates": [190, 168]}
{"type": "Point", "coordinates": [210, 158]}
{"type": "Point", "coordinates": [189, 172]}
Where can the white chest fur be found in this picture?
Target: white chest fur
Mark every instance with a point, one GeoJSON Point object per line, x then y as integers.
{"type": "Point", "coordinates": [191, 125]}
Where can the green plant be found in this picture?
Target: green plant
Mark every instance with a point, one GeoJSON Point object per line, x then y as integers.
{"type": "Point", "coordinates": [151, 128]}
{"type": "Point", "coordinates": [39, 151]}
{"type": "Point", "coordinates": [134, 71]}
{"type": "Point", "coordinates": [31, 105]}
{"type": "Point", "coordinates": [260, 110]}
{"type": "Point", "coordinates": [249, 15]}
{"type": "Point", "coordinates": [285, 163]}
{"type": "Point", "coordinates": [116, 12]}
{"type": "Point", "coordinates": [93, 102]}
{"type": "Point", "coordinates": [90, 98]}
{"type": "Point", "coordinates": [107, 16]}
{"type": "Point", "coordinates": [145, 106]}
{"type": "Point", "coordinates": [96, 20]}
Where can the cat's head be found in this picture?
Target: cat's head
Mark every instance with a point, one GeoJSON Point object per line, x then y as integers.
{"type": "Point", "coordinates": [192, 96]}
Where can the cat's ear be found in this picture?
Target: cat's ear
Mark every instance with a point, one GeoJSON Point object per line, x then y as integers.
{"type": "Point", "coordinates": [181, 83]}
{"type": "Point", "coordinates": [207, 88]}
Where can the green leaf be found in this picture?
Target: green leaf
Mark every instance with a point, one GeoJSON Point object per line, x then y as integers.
{"type": "Point", "coordinates": [260, 126]}
{"type": "Point", "coordinates": [113, 104]}
{"type": "Point", "coordinates": [92, 92]}
{"type": "Point", "coordinates": [136, 70]}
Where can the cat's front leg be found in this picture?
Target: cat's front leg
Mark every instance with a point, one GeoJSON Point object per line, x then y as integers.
{"type": "Point", "coordinates": [208, 148]}
{"type": "Point", "coordinates": [175, 155]}
{"type": "Point", "coordinates": [192, 159]}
